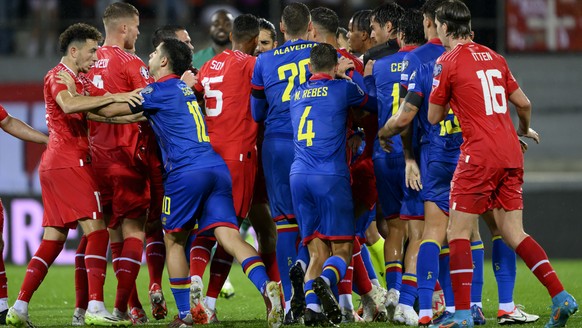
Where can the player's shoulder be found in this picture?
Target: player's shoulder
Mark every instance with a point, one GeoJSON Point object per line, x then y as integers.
{"type": "Point", "coordinates": [120, 55]}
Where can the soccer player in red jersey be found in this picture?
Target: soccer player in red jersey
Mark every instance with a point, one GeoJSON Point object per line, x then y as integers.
{"type": "Point", "coordinates": [69, 190]}
{"type": "Point", "coordinates": [477, 84]}
{"type": "Point", "coordinates": [125, 160]}
{"type": "Point", "coordinates": [225, 81]}
{"type": "Point", "coordinates": [20, 130]}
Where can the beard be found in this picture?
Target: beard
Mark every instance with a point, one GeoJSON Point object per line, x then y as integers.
{"type": "Point", "coordinates": [218, 41]}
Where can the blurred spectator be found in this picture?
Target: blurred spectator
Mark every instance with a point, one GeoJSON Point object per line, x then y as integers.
{"type": "Point", "coordinates": [220, 28]}
{"type": "Point", "coordinates": [44, 21]}
{"type": "Point", "coordinates": [8, 16]}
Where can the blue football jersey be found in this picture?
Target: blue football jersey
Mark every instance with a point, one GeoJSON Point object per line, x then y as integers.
{"type": "Point", "coordinates": [277, 72]}
{"type": "Point", "coordinates": [445, 138]}
{"type": "Point", "coordinates": [319, 112]}
{"type": "Point", "coordinates": [174, 115]}
{"type": "Point", "coordinates": [425, 53]}
{"type": "Point", "coordinates": [386, 75]}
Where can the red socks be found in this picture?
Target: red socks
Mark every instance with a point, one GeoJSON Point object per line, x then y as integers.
{"type": "Point", "coordinates": [38, 266]}
{"type": "Point", "coordinates": [155, 256]}
{"type": "Point", "coordinates": [219, 270]}
{"type": "Point", "coordinates": [461, 264]}
{"type": "Point", "coordinates": [361, 279]}
{"type": "Point", "coordinates": [96, 263]}
{"type": "Point", "coordinates": [128, 267]}
{"type": "Point", "coordinates": [200, 254]}
{"type": "Point", "coordinates": [81, 283]}
{"type": "Point", "coordinates": [270, 261]}
{"type": "Point", "coordinates": [536, 259]}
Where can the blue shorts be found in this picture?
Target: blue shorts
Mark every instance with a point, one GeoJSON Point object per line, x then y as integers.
{"type": "Point", "coordinates": [390, 184]}
{"type": "Point", "coordinates": [278, 155]}
{"type": "Point", "coordinates": [324, 207]}
{"type": "Point", "coordinates": [202, 196]}
{"type": "Point", "coordinates": [436, 183]}
{"type": "Point", "coordinates": [363, 222]}
{"type": "Point", "coordinates": [412, 205]}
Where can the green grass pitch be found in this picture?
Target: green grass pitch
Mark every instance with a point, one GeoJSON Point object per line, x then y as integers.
{"type": "Point", "coordinates": [53, 303]}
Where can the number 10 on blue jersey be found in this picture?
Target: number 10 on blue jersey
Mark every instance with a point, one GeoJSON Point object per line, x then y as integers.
{"type": "Point", "coordinates": [200, 126]}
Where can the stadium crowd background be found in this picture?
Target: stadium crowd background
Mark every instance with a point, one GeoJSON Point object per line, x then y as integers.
{"type": "Point", "coordinates": [541, 40]}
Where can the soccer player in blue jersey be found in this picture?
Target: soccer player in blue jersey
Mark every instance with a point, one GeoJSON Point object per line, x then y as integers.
{"type": "Point", "coordinates": [319, 177]}
{"type": "Point", "coordinates": [276, 73]}
{"type": "Point", "coordinates": [198, 188]}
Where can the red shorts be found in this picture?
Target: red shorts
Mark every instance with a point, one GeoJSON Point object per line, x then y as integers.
{"type": "Point", "coordinates": [124, 192]}
{"type": "Point", "coordinates": [243, 183]}
{"type": "Point", "coordinates": [69, 194]}
{"type": "Point", "coordinates": [364, 183]}
{"type": "Point", "coordinates": [475, 189]}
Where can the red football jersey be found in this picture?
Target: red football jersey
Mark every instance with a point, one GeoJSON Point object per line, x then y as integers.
{"type": "Point", "coordinates": [358, 65]}
{"type": "Point", "coordinates": [476, 82]}
{"type": "Point", "coordinates": [3, 113]}
{"type": "Point", "coordinates": [68, 144]}
{"type": "Point", "coordinates": [116, 71]}
{"type": "Point", "coordinates": [226, 82]}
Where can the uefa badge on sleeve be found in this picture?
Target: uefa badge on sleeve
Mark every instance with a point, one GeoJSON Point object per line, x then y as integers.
{"type": "Point", "coordinates": [438, 68]}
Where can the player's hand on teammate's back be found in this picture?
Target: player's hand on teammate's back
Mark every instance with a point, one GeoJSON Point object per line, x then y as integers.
{"type": "Point", "coordinates": [189, 78]}
{"type": "Point", "coordinates": [354, 142]}
{"type": "Point", "coordinates": [412, 175]}
{"type": "Point", "coordinates": [369, 67]}
{"type": "Point", "coordinates": [384, 139]}
{"type": "Point", "coordinates": [66, 79]}
{"type": "Point", "coordinates": [344, 64]}
{"type": "Point", "coordinates": [531, 133]}
{"type": "Point", "coordinates": [133, 97]}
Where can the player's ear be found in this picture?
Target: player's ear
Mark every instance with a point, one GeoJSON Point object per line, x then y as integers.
{"type": "Point", "coordinates": [230, 37]}
{"type": "Point", "coordinates": [282, 27]}
{"type": "Point", "coordinates": [309, 67]}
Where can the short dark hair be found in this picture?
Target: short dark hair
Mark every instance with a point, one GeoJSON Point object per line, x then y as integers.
{"type": "Point", "coordinates": [342, 31]}
{"type": "Point", "coordinates": [361, 19]}
{"type": "Point", "coordinates": [457, 17]}
{"type": "Point", "coordinates": [410, 24]}
{"type": "Point", "coordinates": [166, 32]}
{"type": "Point", "coordinates": [388, 12]}
{"type": "Point", "coordinates": [178, 53]}
{"type": "Point", "coordinates": [119, 10]}
{"type": "Point", "coordinates": [266, 25]}
{"type": "Point", "coordinates": [325, 18]}
{"type": "Point", "coordinates": [323, 57]}
{"type": "Point", "coordinates": [245, 27]}
{"type": "Point", "coordinates": [430, 7]}
{"type": "Point", "coordinates": [78, 32]}
{"type": "Point", "coordinates": [296, 18]}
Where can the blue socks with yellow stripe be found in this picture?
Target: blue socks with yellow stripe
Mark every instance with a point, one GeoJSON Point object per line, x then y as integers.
{"type": "Point", "coordinates": [255, 270]}
{"type": "Point", "coordinates": [427, 269]}
{"type": "Point", "coordinates": [409, 289]}
{"type": "Point", "coordinates": [334, 269]}
{"type": "Point", "coordinates": [287, 233]}
{"type": "Point", "coordinates": [504, 268]}
{"type": "Point", "coordinates": [181, 290]}
{"type": "Point", "coordinates": [393, 275]}
{"type": "Point", "coordinates": [477, 284]}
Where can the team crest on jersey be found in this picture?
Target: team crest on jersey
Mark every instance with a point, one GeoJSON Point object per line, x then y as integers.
{"type": "Point", "coordinates": [438, 68]}
{"type": "Point", "coordinates": [144, 72]}
{"type": "Point", "coordinates": [147, 90]}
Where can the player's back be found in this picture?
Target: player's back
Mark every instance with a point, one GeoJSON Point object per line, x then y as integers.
{"type": "Point", "coordinates": [319, 110]}
{"type": "Point", "coordinates": [278, 71]}
{"type": "Point", "coordinates": [226, 82]}
{"type": "Point", "coordinates": [479, 98]}
{"type": "Point", "coordinates": [179, 126]}
{"type": "Point", "coordinates": [116, 71]}
{"type": "Point", "coordinates": [429, 51]}
{"type": "Point", "coordinates": [386, 74]}
{"type": "Point", "coordinates": [68, 144]}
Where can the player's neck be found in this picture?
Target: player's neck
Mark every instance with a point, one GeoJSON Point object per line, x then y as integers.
{"type": "Point", "coordinates": [114, 40]}
{"type": "Point", "coordinates": [218, 49]}
{"type": "Point", "coordinates": [70, 63]}
{"type": "Point", "coordinates": [454, 42]}
{"type": "Point", "coordinates": [246, 48]}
